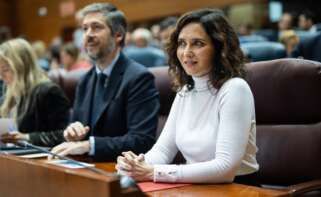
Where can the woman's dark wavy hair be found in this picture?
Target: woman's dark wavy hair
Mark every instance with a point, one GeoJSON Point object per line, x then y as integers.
{"type": "Point", "coordinates": [228, 59]}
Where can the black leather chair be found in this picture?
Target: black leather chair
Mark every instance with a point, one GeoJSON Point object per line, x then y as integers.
{"type": "Point", "coordinates": [288, 113]}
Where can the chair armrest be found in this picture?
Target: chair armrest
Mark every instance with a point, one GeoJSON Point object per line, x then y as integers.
{"type": "Point", "coordinates": [301, 188]}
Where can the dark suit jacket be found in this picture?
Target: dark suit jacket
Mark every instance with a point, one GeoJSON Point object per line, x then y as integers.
{"type": "Point", "coordinates": [46, 111]}
{"type": "Point", "coordinates": [309, 48]}
{"type": "Point", "coordinates": [128, 117]}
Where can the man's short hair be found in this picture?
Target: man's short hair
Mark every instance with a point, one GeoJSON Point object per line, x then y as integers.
{"type": "Point", "coordinates": [309, 15]}
{"type": "Point", "coordinates": [115, 19]}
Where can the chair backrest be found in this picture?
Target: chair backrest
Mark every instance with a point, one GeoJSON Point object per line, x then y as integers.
{"type": "Point", "coordinates": [288, 113]}
{"type": "Point", "coordinates": [252, 38]}
{"type": "Point", "coordinates": [269, 34]}
{"type": "Point", "coordinates": [260, 51]}
{"type": "Point", "coordinates": [287, 94]}
{"type": "Point", "coordinates": [67, 80]}
{"type": "Point", "coordinates": [309, 48]}
{"type": "Point", "coordinates": [304, 34]}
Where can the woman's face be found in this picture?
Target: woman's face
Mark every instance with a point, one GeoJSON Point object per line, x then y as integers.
{"type": "Point", "coordinates": [6, 73]}
{"type": "Point", "coordinates": [195, 50]}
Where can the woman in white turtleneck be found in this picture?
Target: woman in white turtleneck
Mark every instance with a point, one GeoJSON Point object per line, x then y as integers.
{"type": "Point", "coordinates": [212, 119]}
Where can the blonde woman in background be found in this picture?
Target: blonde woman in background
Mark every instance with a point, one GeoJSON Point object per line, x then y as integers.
{"type": "Point", "coordinates": [38, 106]}
{"type": "Point", "coordinates": [289, 39]}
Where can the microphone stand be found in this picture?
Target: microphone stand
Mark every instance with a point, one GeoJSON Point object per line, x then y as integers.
{"type": "Point", "coordinates": [125, 181]}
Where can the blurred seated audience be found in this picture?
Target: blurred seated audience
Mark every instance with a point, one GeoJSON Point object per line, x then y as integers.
{"type": "Point", "coordinates": [54, 53]}
{"type": "Point", "coordinates": [155, 31]}
{"type": "Point", "coordinates": [37, 105]}
{"type": "Point", "coordinates": [289, 39]}
{"type": "Point", "coordinates": [39, 48]}
{"type": "Point", "coordinates": [306, 21]}
{"type": "Point", "coordinates": [286, 22]}
{"type": "Point", "coordinates": [260, 51]}
{"type": "Point", "coordinates": [70, 59]}
{"type": "Point", "coordinates": [245, 32]}
{"type": "Point", "coordinates": [166, 27]}
{"type": "Point", "coordinates": [245, 29]}
{"type": "Point", "coordinates": [309, 48]}
{"type": "Point", "coordinates": [142, 52]}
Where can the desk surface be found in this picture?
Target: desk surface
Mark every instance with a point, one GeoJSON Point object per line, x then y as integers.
{"type": "Point", "coordinates": [221, 190]}
{"type": "Point", "coordinates": [225, 190]}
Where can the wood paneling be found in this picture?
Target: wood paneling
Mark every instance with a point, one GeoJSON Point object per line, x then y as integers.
{"type": "Point", "coordinates": [6, 18]}
{"type": "Point", "coordinates": [47, 27]}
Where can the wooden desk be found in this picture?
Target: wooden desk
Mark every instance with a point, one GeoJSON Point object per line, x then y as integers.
{"type": "Point", "coordinates": [224, 190]}
{"type": "Point", "coordinates": [36, 178]}
{"type": "Point", "coordinates": [221, 190]}
{"type": "Point", "coordinates": [26, 177]}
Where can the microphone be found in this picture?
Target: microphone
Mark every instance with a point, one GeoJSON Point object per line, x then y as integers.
{"type": "Point", "coordinates": [125, 181]}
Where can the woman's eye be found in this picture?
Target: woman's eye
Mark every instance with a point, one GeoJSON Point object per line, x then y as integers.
{"type": "Point", "coordinates": [84, 28]}
{"type": "Point", "coordinates": [181, 44]}
{"type": "Point", "coordinates": [199, 43]}
{"type": "Point", "coordinates": [97, 27]}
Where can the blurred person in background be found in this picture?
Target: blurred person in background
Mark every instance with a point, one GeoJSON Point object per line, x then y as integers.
{"type": "Point", "coordinates": [245, 33]}
{"type": "Point", "coordinates": [40, 50]}
{"type": "Point", "coordinates": [70, 60]}
{"type": "Point", "coordinates": [306, 21]}
{"type": "Point", "coordinates": [286, 22]}
{"type": "Point", "coordinates": [166, 27]}
{"type": "Point", "coordinates": [245, 29]}
{"type": "Point", "coordinates": [54, 53]}
{"type": "Point", "coordinates": [142, 52]}
{"type": "Point", "coordinates": [38, 106]}
{"type": "Point", "coordinates": [290, 40]}
{"type": "Point", "coordinates": [309, 48]}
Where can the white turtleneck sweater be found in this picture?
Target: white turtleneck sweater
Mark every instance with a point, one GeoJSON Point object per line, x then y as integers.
{"type": "Point", "coordinates": [213, 129]}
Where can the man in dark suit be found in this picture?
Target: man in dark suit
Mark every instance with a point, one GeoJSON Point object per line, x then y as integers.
{"type": "Point", "coordinates": [116, 102]}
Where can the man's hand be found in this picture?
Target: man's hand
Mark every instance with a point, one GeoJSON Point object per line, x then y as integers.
{"type": "Point", "coordinates": [13, 137]}
{"type": "Point", "coordinates": [75, 132]}
{"type": "Point", "coordinates": [71, 148]}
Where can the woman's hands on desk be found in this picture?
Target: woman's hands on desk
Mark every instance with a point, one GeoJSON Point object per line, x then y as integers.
{"type": "Point", "coordinates": [14, 136]}
{"type": "Point", "coordinates": [135, 166]}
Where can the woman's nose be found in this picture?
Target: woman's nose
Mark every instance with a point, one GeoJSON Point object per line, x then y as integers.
{"type": "Point", "coordinates": [188, 51]}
